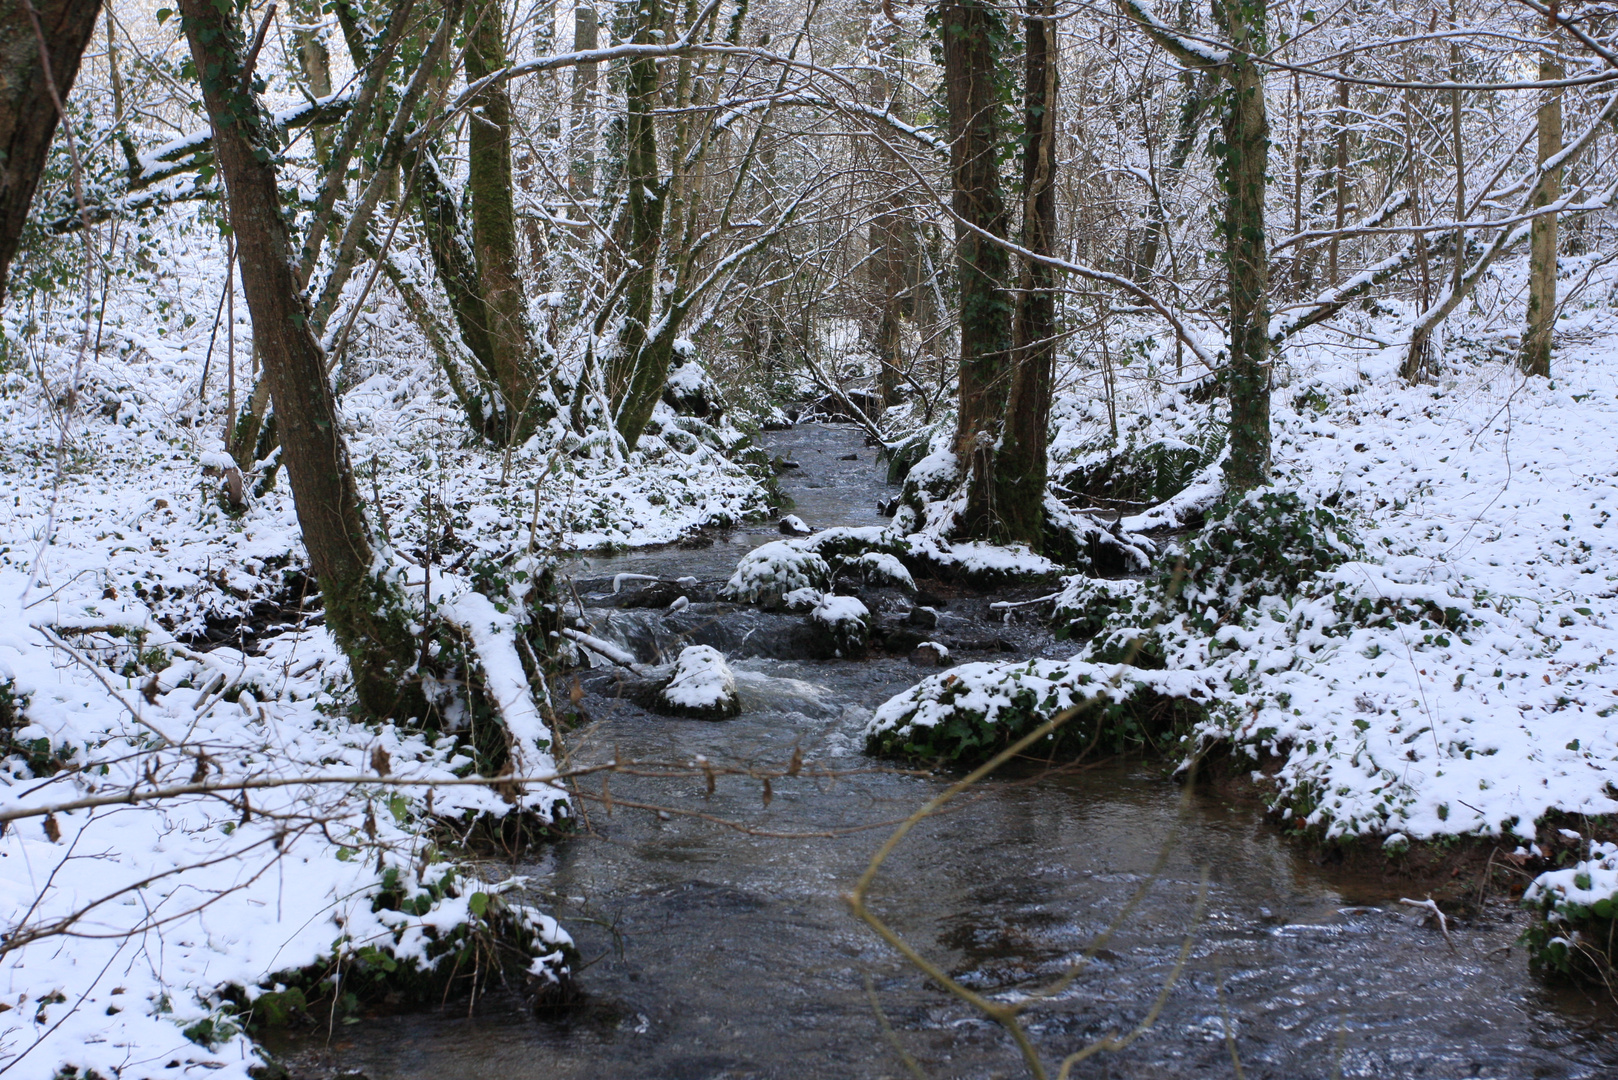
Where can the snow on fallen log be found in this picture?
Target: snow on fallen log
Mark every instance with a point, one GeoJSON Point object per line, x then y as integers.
{"type": "Point", "coordinates": [492, 633]}
{"type": "Point", "coordinates": [612, 652]}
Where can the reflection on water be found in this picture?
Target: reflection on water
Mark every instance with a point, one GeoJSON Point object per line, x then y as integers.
{"type": "Point", "coordinates": [717, 953]}
{"type": "Point", "coordinates": [826, 489]}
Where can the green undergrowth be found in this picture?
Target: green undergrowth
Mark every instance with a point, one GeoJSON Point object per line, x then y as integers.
{"type": "Point", "coordinates": [430, 940]}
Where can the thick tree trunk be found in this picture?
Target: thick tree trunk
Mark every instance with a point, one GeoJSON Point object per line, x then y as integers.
{"type": "Point", "coordinates": [1020, 465]}
{"type": "Point", "coordinates": [1536, 354]}
{"type": "Point", "coordinates": [513, 350]}
{"type": "Point", "coordinates": [970, 32]}
{"type": "Point", "coordinates": [636, 370]}
{"type": "Point", "coordinates": [1247, 144]}
{"type": "Point", "coordinates": [364, 609]}
{"type": "Point", "coordinates": [28, 115]}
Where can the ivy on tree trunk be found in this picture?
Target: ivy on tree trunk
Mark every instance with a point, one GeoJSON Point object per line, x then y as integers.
{"type": "Point", "coordinates": [1019, 468]}
{"type": "Point", "coordinates": [1244, 158]}
{"type": "Point", "coordinates": [512, 342]}
{"type": "Point", "coordinates": [972, 35]}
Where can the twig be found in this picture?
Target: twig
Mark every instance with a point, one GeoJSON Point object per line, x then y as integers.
{"type": "Point", "coordinates": [1431, 905]}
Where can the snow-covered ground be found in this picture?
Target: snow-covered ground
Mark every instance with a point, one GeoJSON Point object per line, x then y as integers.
{"type": "Point", "coordinates": [1456, 674]}
{"type": "Point", "coordinates": [1490, 493]}
{"type": "Point", "coordinates": [126, 921]}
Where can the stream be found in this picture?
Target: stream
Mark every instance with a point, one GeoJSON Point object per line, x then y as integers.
{"type": "Point", "coordinates": [713, 953]}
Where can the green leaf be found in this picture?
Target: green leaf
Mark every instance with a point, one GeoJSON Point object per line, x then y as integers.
{"type": "Point", "coordinates": [398, 808]}
{"type": "Point", "coordinates": [163, 14]}
{"type": "Point", "coordinates": [478, 903]}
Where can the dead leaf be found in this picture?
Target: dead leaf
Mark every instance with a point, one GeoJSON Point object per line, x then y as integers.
{"type": "Point", "coordinates": [380, 761]}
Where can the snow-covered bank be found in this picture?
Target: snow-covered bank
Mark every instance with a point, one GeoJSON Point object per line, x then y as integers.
{"type": "Point", "coordinates": [139, 934]}
{"type": "Point", "coordinates": [1452, 672]}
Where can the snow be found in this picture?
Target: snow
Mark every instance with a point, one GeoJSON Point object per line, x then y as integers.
{"type": "Point", "coordinates": [837, 611]}
{"type": "Point", "coordinates": [702, 684]}
{"type": "Point", "coordinates": [880, 568]}
{"type": "Point", "coordinates": [994, 693]}
{"type": "Point", "coordinates": [770, 571]}
{"type": "Point", "coordinates": [167, 901]}
{"type": "Point", "coordinates": [846, 619]}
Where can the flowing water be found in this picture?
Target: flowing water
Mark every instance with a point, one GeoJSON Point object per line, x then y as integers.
{"type": "Point", "coordinates": [714, 952]}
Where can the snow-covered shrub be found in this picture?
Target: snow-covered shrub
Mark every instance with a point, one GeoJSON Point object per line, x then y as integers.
{"type": "Point", "coordinates": [702, 686]}
{"type": "Point", "coordinates": [972, 712]}
{"type": "Point", "coordinates": [1265, 547]}
{"type": "Point", "coordinates": [1137, 457]}
{"type": "Point", "coordinates": [1136, 474]}
{"type": "Point", "coordinates": [846, 620]}
{"type": "Point", "coordinates": [801, 601]}
{"type": "Point", "coordinates": [1577, 911]}
{"type": "Point", "coordinates": [849, 541]}
{"type": "Point", "coordinates": [1085, 604]}
{"type": "Point", "coordinates": [770, 571]}
{"type": "Point", "coordinates": [418, 936]}
{"type": "Point", "coordinates": [690, 392]}
{"type": "Point", "coordinates": [1269, 542]}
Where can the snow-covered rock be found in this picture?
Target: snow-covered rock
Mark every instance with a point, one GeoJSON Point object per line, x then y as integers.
{"type": "Point", "coordinates": [880, 568]}
{"type": "Point", "coordinates": [702, 686]}
{"type": "Point", "coordinates": [793, 525]}
{"type": "Point", "coordinates": [847, 620]}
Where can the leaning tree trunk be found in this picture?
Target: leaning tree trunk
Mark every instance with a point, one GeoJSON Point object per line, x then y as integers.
{"type": "Point", "coordinates": [970, 32]}
{"type": "Point", "coordinates": [364, 609]}
{"type": "Point", "coordinates": [1247, 145]}
{"type": "Point", "coordinates": [28, 114]}
{"type": "Point", "coordinates": [512, 342]}
{"type": "Point", "coordinates": [1019, 469]}
{"type": "Point", "coordinates": [1536, 355]}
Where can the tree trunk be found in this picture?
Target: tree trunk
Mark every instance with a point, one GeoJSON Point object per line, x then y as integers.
{"type": "Point", "coordinates": [1536, 354]}
{"type": "Point", "coordinates": [970, 32]}
{"type": "Point", "coordinates": [513, 352]}
{"type": "Point", "coordinates": [634, 376]}
{"type": "Point", "coordinates": [1247, 144]}
{"type": "Point", "coordinates": [1339, 183]}
{"type": "Point", "coordinates": [1020, 465]}
{"type": "Point", "coordinates": [314, 60]}
{"type": "Point", "coordinates": [886, 236]}
{"type": "Point", "coordinates": [364, 609]}
{"type": "Point", "coordinates": [582, 174]}
{"type": "Point", "coordinates": [28, 115]}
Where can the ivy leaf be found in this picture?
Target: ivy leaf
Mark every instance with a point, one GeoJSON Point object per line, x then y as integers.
{"type": "Point", "coordinates": [478, 903]}
{"type": "Point", "coordinates": [163, 14]}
